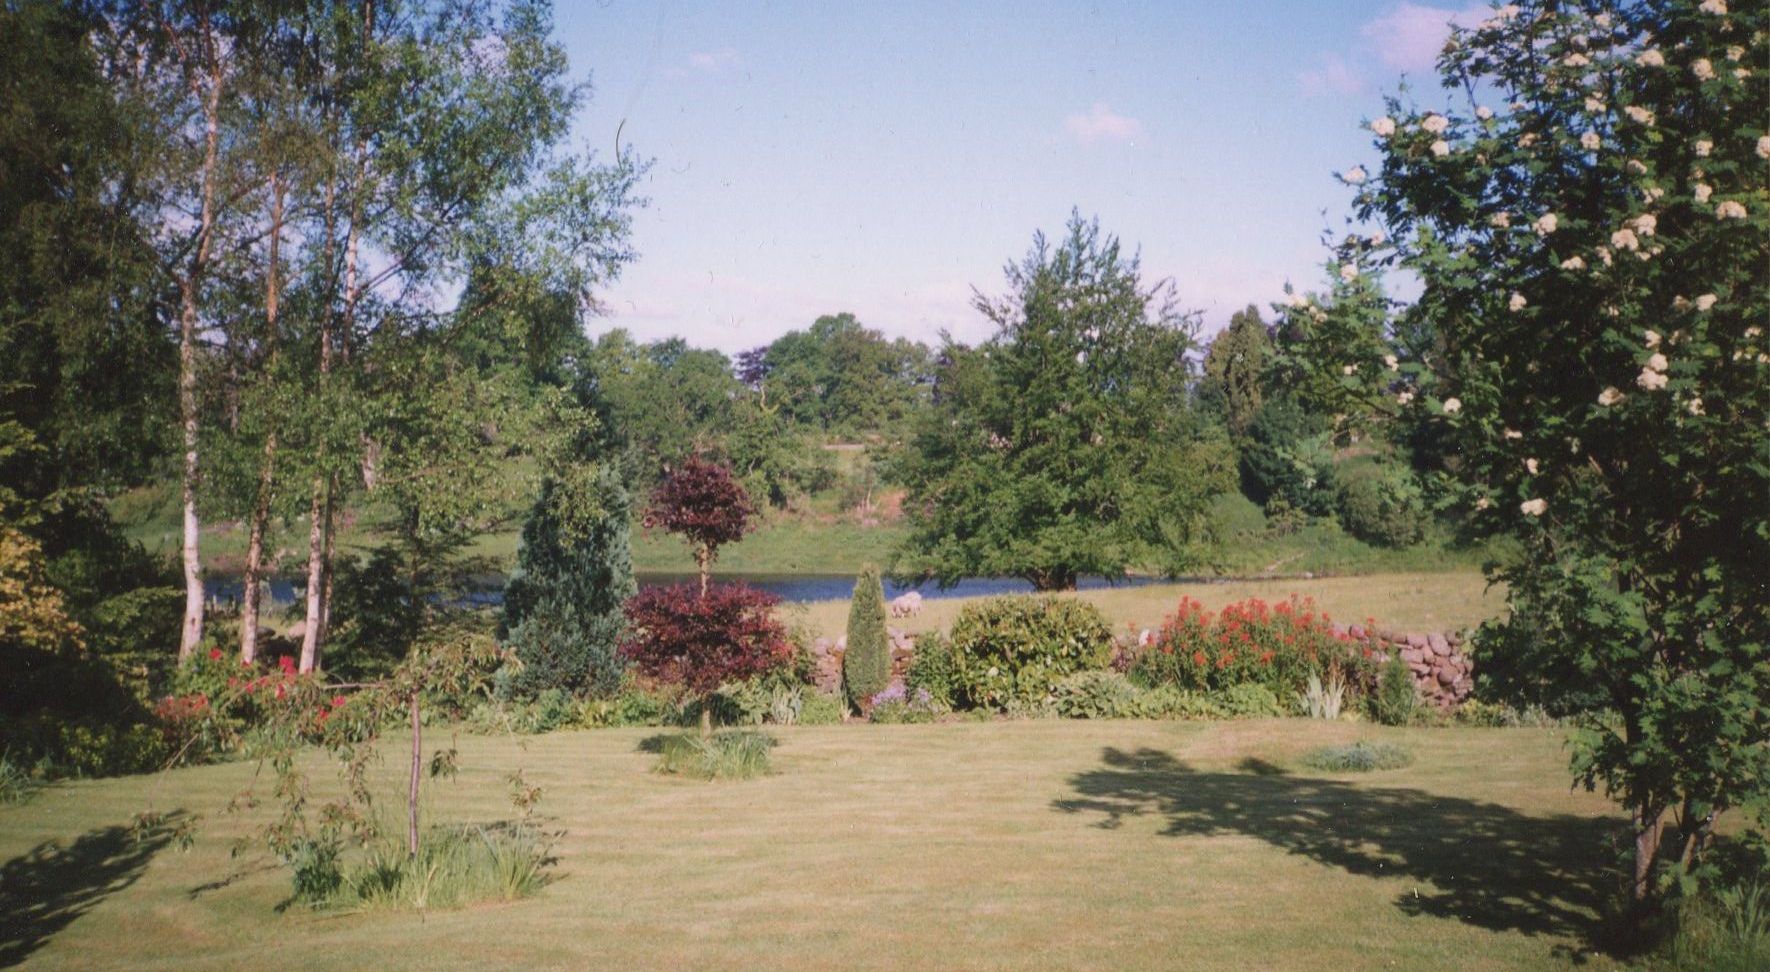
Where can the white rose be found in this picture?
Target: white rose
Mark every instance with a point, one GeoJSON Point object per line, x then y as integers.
{"type": "Point", "coordinates": [1650, 58]}
{"type": "Point", "coordinates": [1703, 191]}
{"type": "Point", "coordinates": [1530, 466]}
{"type": "Point", "coordinates": [1609, 396]}
{"type": "Point", "coordinates": [1651, 380]}
{"type": "Point", "coordinates": [1452, 406]}
{"type": "Point", "coordinates": [1508, 12]}
{"type": "Point", "coordinates": [1576, 60]}
{"type": "Point", "coordinates": [1639, 115]}
{"type": "Point", "coordinates": [1764, 146]}
{"type": "Point", "coordinates": [1573, 263]}
{"type": "Point", "coordinates": [1624, 239]}
{"type": "Point", "coordinates": [1637, 167]}
{"type": "Point", "coordinates": [1384, 126]}
{"type": "Point", "coordinates": [1735, 52]}
{"type": "Point", "coordinates": [1391, 362]}
{"type": "Point", "coordinates": [1534, 507]}
{"type": "Point", "coordinates": [1594, 104]}
{"type": "Point", "coordinates": [1590, 141]}
{"type": "Point", "coordinates": [1645, 224]}
{"type": "Point", "coordinates": [1657, 361]}
{"type": "Point", "coordinates": [1703, 147]}
{"type": "Point", "coordinates": [1348, 272]}
{"type": "Point", "coordinates": [1404, 397]}
{"type": "Point", "coordinates": [1484, 113]}
{"type": "Point", "coordinates": [1703, 70]}
{"type": "Point", "coordinates": [1441, 148]}
{"type": "Point", "coordinates": [1516, 303]}
{"type": "Point", "coordinates": [1500, 220]}
{"type": "Point", "coordinates": [1546, 224]}
{"type": "Point", "coordinates": [1650, 338]}
{"type": "Point", "coordinates": [1716, 7]}
{"type": "Point", "coordinates": [1435, 124]}
{"type": "Point", "coordinates": [1354, 176]}
{"type": "Point", "coordinates": [1730, 210]}
{"type": "Point", "coordinates": [1694, 407]}
{"type": "Point", "coordinates": [1705, 302]}
{"type": "Point", "coordinates": [1512, 434]}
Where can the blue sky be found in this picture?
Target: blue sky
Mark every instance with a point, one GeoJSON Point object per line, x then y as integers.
{"type": "Point", "coordinates": [885, 158]}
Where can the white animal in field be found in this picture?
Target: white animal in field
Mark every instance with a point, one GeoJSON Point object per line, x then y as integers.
{"type": "Point", "coordinates": [906, 605]}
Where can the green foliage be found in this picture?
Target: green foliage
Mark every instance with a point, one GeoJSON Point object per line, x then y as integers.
{"type": "Point", "coordinates": [840, 377]}
{"type": "Point", "coordinates": [1098, 695]}
{"type": "Point", "coordinates": [16, 783]}
{"type": "Point", "coordinates": [931, 669]}
{"type": "Point", "coordinates": [774, 699]}
{"type": "Point", "coordinates": [818, 709]}
{"type": "Point", "coordinates": [1324, 700]}
{"type": "Point", "coordinates": [1381, 504]}
{"type": "Point", "coordinates": [1066, 445]}
{"type": "Point", "coordinates": [1397, 699]}
{"type": "Point", "coordinates": [1016, 649]}
{"type": "Point", "coordinates": [1234, 377]}
{"type": "Point", "coordinates": [1289, 456]}
{"type": "Point", "coordinates": [866, 663]}
{"type": "Point", "coordinates": [730, 754]}
{"type": "Point", "coordinates": [562, 606]}
{"type": "Point", "coordinates": [1249, 700]}
{"type": "Point", "coordinates": [1358, 757]}
{"type": "Point", "coordinates": [1588, 345]}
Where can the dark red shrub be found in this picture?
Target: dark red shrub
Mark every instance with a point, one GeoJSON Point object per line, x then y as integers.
{"type": "Point", "coordinates": [700, 641]}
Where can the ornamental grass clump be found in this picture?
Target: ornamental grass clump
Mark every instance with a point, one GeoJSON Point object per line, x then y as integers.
{"type": "Point", "coordinates": [731, 754]}
{"type": "Point", "coordinates": [1358, 757]}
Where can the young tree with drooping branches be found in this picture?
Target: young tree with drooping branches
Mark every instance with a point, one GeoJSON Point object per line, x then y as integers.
{"type": "Point", "coordinates": [1589, 219]}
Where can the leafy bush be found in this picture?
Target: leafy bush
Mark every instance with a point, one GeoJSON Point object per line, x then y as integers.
{"type": "Point", "coordinates": [732, 754]}
{"type": "Point", "coordinates": [1251, 642]}
{"type": "Point", "coordinates": [16, 784]}
{"type": "Point", "coordinates": [1358, 757]}
{"type": "Point", "coordinates": [754, 701]}
{"type": "Point", "coordinates": [1381, 504]}
{"type": "Point", "coordinates": [1397, 699]}
{"type": "Point", "coordinates": [1475, 712]}
{"type": "Point", "coordinates": [931, 668]}
{"type": "Point", "coordinates": [1015, 649]}
{"type": "Point", "coordinates": [1098, 695]}
{"type": "Point", "coordinates": [1173, 702]}
{"type": "Point", "coordinates": [818, 709]}
{"type": "Point", "coordinates": [899, 705]}
{"type": "Point", "coordinates": [866, 663]}
{"type": "Point", "coordinates": [1248, 701]}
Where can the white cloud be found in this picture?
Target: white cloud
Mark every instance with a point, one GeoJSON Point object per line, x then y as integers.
{"type": "Point", "coordinates": [715, 62]}
{"type": "Point", "coordinates": [1333, 77]}
{"type": "Point", "coordinates": [1411, 36]}
{"type": "Point", "coordinates": [1101, 124]}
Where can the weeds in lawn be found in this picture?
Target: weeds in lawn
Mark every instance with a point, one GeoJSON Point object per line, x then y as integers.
{"type": "Point", "coordinates": [732, 754]}
{"type": "Point", "coordinates": [1358, 757]}
{"type": "Point", "coordinates": [1727, 930]}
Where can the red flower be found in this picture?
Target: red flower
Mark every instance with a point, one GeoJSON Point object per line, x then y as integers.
{"type": "Point", "coordinates": [338, 700]}
{"type": "Point", "coordinates": [1198, 658]}
{"type": "Point", "coordinates": [215, 654]}
{"type": "Point", "coordinates": [287, 664]}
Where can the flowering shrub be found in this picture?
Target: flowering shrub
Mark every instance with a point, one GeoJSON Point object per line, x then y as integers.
{"type": "Point", "coordinates": [1251, 642]}
{"type": "Point", "coordinates": [1017, 648]}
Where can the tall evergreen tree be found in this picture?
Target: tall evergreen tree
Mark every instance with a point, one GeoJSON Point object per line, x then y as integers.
{"type": "Point", "coordinates": [866, 665]}
{"type": "Point", "coordinates": [562, 607]}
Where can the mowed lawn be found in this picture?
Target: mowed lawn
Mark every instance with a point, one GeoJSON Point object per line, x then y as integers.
{"type": "Point", "coordinates": [1007, 845]}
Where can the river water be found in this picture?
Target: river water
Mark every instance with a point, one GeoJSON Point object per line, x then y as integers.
{"type": "Point", "coordinates": [790, 587]}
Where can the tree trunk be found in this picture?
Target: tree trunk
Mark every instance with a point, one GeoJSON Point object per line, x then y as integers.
{"type": "Point", "coordinates": [412, 790]}
{"type": "Point", "coordinates": [268, 462]}
{"type": "Point", "coordinates": [1052, 580]}
{"type": "Point", "coordinates": [703, 558]}
{"type": "Point", "coordinates": [319, 528]}
{"type": "Point", "coordinates": [707, 717]}
{"type": "Point", "coordinates": [1649, 826]}
{"type": "Point", "coordinates": [190, 287]}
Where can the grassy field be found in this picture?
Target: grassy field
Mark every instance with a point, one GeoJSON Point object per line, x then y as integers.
{"type": "Point", "coordinates": [1435, 601]}
{"type": "Point", "coordinates": [1013, 845]}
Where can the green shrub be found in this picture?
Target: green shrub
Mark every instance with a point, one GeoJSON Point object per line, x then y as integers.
{"type": "Point", "coordinates": [1098, 695]}
{"type": "Point", "coordinates": [1397, 699]}
{"type": "Point", "coordinates": [818, 709]}
{"type": "Point", "coordinates": [1358, 757]}
{"type": "Point", "coordinates": [758, 700]}
{"type": "Point", "coordinates": [931, 669]}
{"type": "Point", "coordinates": [1382, 505]}
{"type": "Point", "coordinates": [1015, 649]}
{"type": "Point", "coordinates": [1475, 712]}
{"type": "Point", "coordinates": [1248, 701]}
{"type": "Point", "coordinates": [731, 754]}
{"type": "Point", "coordinates": [866, 663]}
{"type": "Point", "coordinates": [1173, 702]}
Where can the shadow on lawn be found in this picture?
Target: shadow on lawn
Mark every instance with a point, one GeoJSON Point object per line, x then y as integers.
{"type": "Point", "coordinates": [45, 890]}
{"type": "Point", "coordinates": [1487, 865]}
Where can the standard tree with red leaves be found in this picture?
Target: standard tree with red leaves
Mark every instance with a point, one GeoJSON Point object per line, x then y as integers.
{"type": "Point", "coordinates": [725, 633]}
{"type": "Point", "coordinates": [704, 502]}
